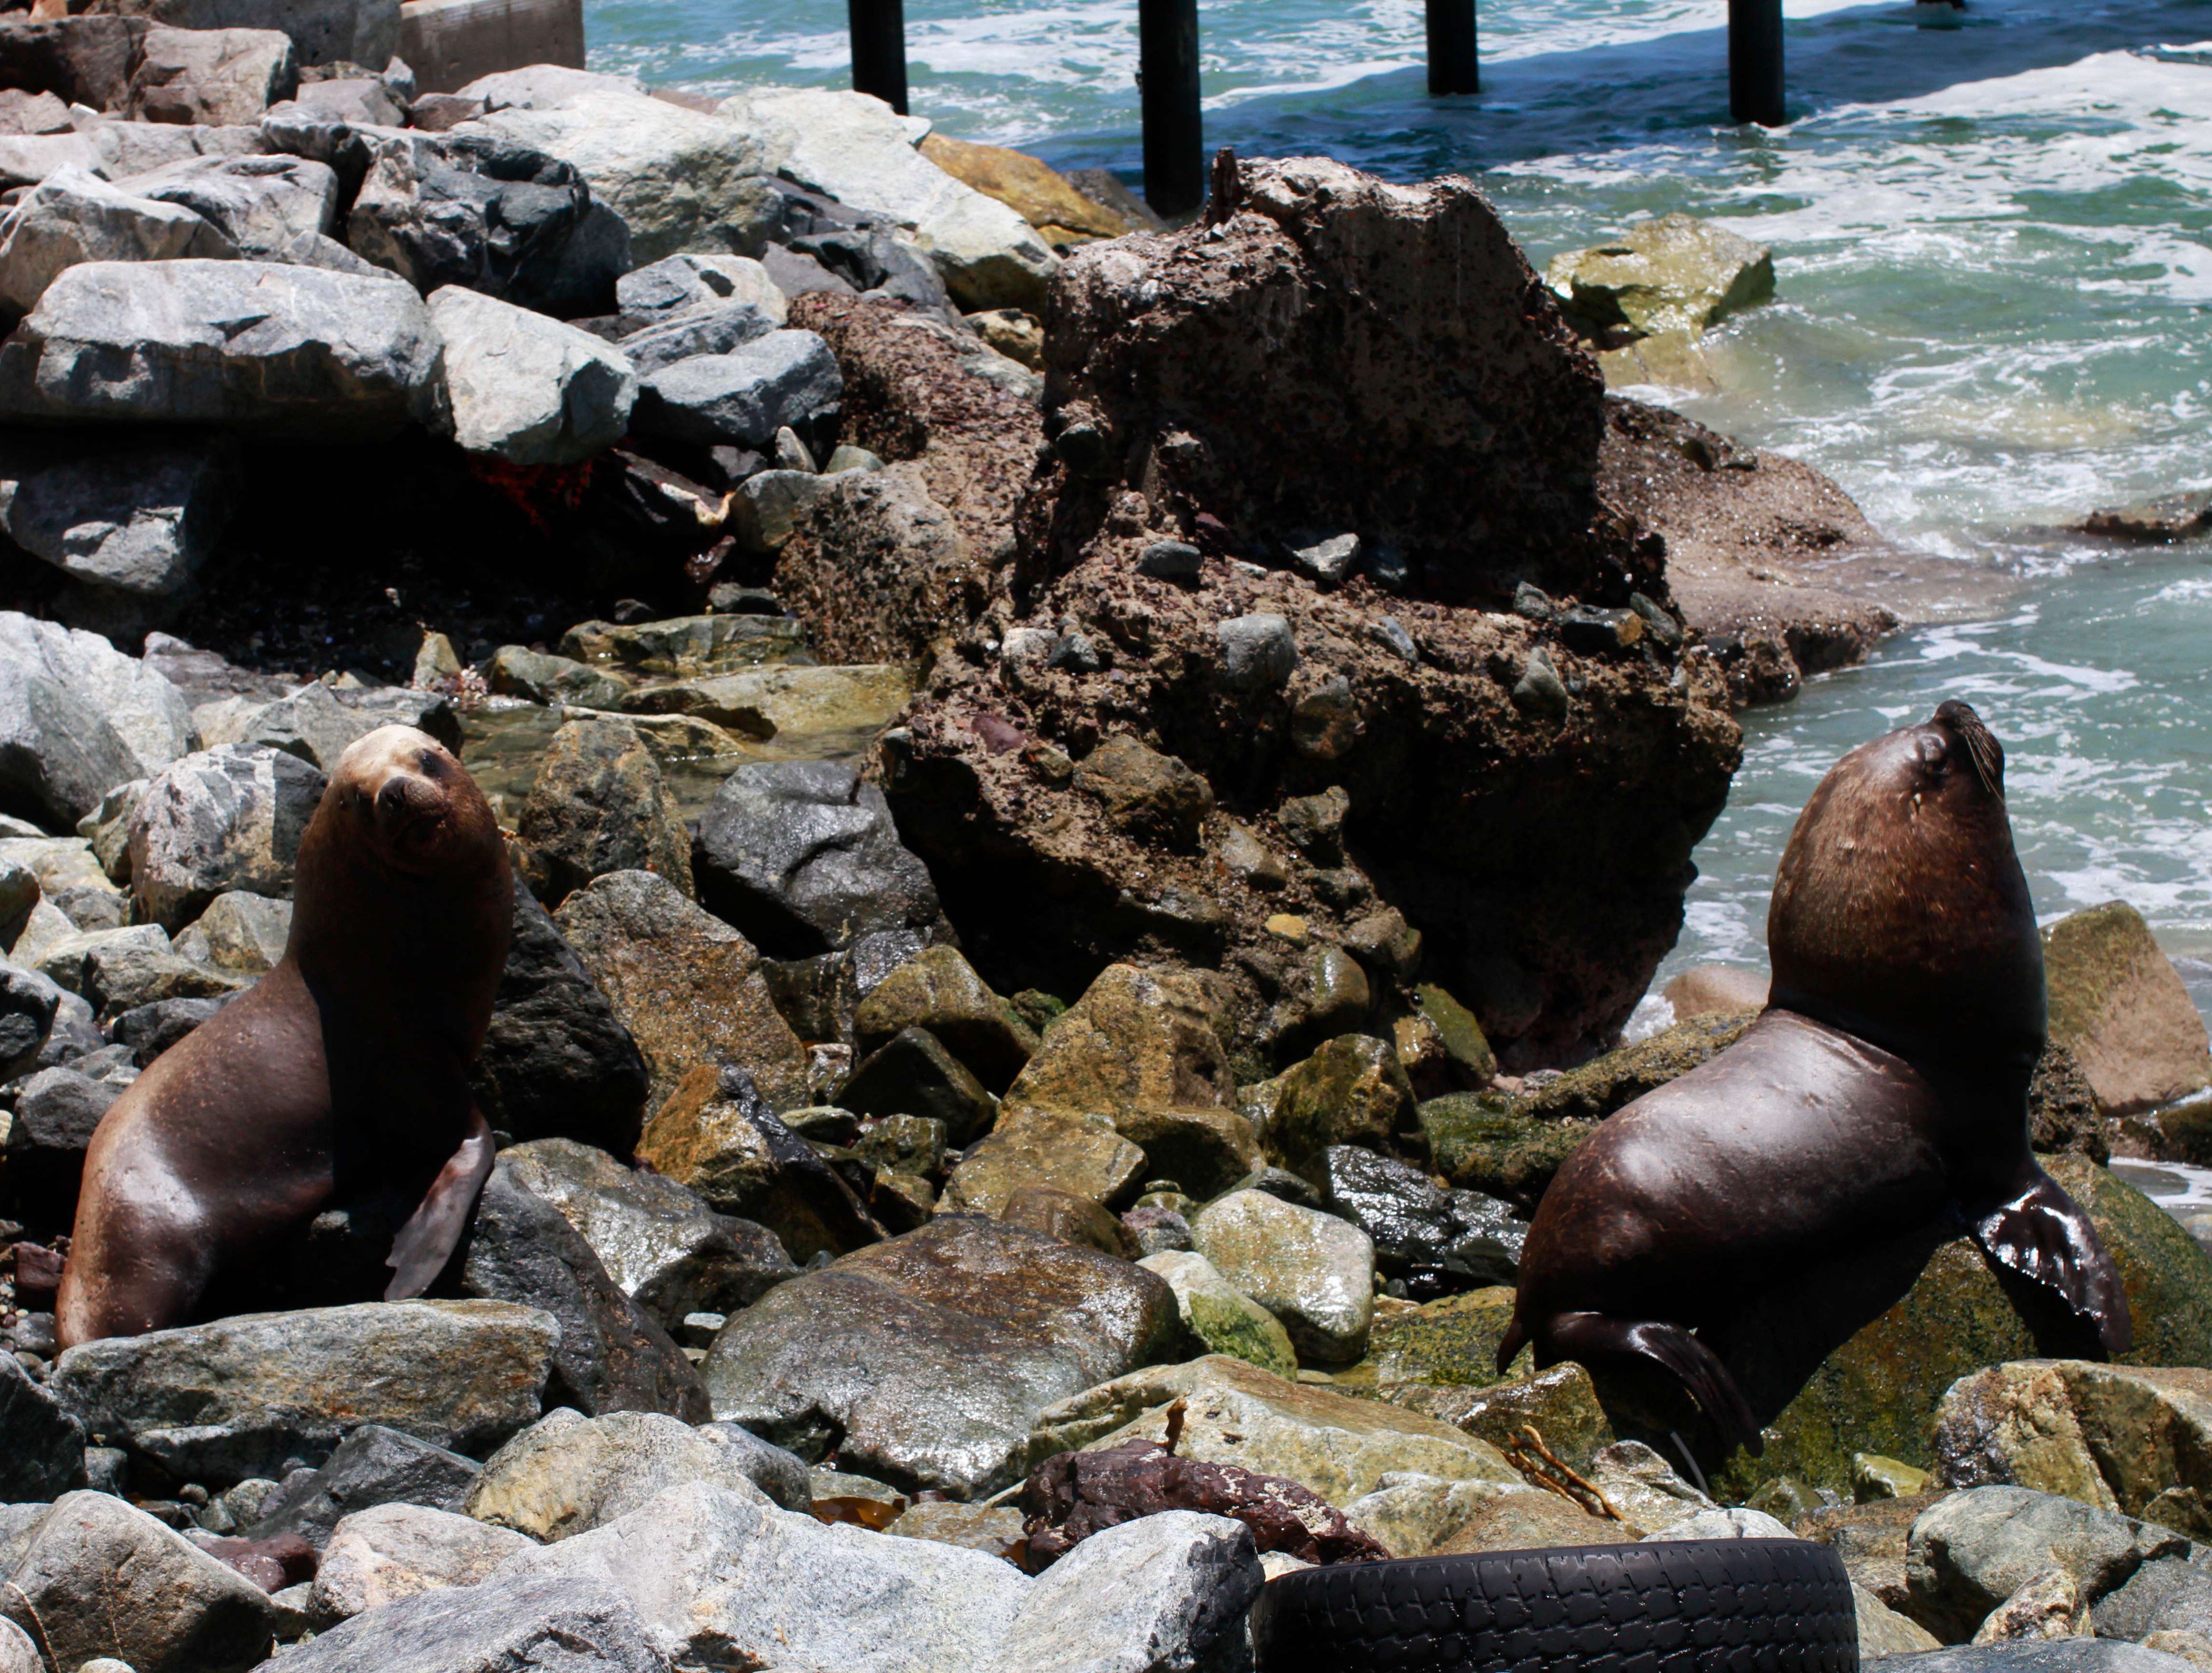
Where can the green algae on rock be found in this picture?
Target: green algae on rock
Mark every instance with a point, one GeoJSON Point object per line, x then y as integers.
{"type": "Point", "coordinates": [1482, 1141]}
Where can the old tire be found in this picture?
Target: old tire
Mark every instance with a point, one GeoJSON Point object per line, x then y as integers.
{"type": "Point", "coordinates": [1691, 1606]}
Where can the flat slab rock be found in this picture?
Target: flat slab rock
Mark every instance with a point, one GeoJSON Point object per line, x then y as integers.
{"type": "Point", "coordinates": [927, 1358]}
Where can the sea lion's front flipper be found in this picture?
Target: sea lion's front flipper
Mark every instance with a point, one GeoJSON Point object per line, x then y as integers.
{"type": "Point", "coordinates": [1587, 1337]}
{"type": "Point", "coordinates": [426, 1242]}
{"type": "Point", "coordinates": [2042, 1234]}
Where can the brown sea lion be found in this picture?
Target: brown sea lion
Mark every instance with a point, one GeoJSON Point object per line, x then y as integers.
{"type": "Point", "coordinates": [340, 1079]}
{"type": "Point", "coordinates": [1886, 1082]}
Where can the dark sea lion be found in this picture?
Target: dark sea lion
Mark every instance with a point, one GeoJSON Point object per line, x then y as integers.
{"type": "Point", "coordinates": [341, 1078]}
{"type": "Point", "coordinates": [1886, 1082]}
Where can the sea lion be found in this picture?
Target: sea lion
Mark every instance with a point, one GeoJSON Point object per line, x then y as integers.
{"type": "Point", "coordinates": [340, 1079]}
{"type": "Point", "coordinates": [1886, 1082]}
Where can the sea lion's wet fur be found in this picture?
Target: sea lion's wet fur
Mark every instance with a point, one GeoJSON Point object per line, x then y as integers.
{"type": "Point", "coordinates": [340, 1079]}
{"type": "Point", "coordinates": [1886, 1081]}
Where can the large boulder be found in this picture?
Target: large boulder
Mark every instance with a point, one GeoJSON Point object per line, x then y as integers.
{"type": "Point", "coordinates": [926, 1359]}
{"type": "Point", "coordinates": [244, 345]}
{"type": "Point", "coordinates": [1185, 419]}
{"type": "Point", "coordinates": [225, 819]}
{"type": "Point", "coordinates": [323, 32]}
{"type": "Point", "coordinates": [562, 1625]}
{"type": "Point", "coordinates": [527, 389]}
{"type": "Point", "coordinates": [567, 1474]}
{"type": "Point", "coordinates": [388, 1552]}
{"type": "Point", "coordinates": [374, 1465]}
{"type": "Point", "coordinates": [219, 1404]}
{"type": "Point", "coordinates": [220, 78]}
{"type": "Point", "coordinates": [1314, 1272]}
{"type": "Point", "coordinates": [1159, 1591]}
{"type": "Point", "coordinates": [687, 987]}
{"type": "Point", "coordinates": [77, 719]}
{"type": "Point", "coordinates": [2118, 1006]}
{"type": "Point", "coordinates": [1970, 1552]}
{"type": "Point", "coordinates": [599, 804]}
{"type": "Point", "coordinates": [777, 380]}
{"type": "Point", "coordinates": [318, 723]}
{"type": "Point", "coordinates": [1674, 273]}
{"type": "Point", "coordinates": [136, 520]}
{"type": "Point", "coordinates": [41, 1445]}
{"type": "Point", "coordinates": [83, 60]}
{"type": "Point", "coordinates": [263, 205]}
{"type": "Point", "coordinates": [71, 217]}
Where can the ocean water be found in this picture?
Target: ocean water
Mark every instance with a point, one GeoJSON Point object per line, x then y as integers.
{"type": "Point", "coordinates": [1994, 253]}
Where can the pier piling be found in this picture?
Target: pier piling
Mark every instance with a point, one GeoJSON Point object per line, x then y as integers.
{"type": "Point", "coordinates": [1755, 62]}
{"type": "Point", "coordinates": [879, 50]}
{"type": "Point", "coordinates": [1452, 60]}
{"type": "Point", "coordinates": [1167, 78]}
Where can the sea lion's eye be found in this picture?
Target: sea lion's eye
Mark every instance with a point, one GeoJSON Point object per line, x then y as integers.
{"type": "Point", "coordinates": [1933, 755]}
{"type": "Point", "coordinates": [431, 764]}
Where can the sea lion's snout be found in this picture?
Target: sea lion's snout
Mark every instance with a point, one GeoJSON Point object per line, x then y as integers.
{"type": "Point", "coordinates": [409, 809]}
{"type": "Point", "coordinates": [1964, 727]}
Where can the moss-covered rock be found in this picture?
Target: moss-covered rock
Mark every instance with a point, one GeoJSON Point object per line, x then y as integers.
{"type": "Point", "coordinates": [1452, 1342]}
{"type": "Point", "coordinates": [1483, 1142]}
{"type": "Point", "coordinates": [1464, 1042]}
{"type": "Point", "coordinates": [2118, 1006]}
{"type": "Point", "coordinates": [1353, 1090]}
{"type": "Point", "coordinates": [1606, 1084]}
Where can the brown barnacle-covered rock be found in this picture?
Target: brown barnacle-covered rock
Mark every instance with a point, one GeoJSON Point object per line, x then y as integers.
{"type": "Point", "coordinates": [1072, 1496]}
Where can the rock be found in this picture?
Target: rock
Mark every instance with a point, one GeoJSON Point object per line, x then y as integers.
{"type": "Point", "coordinates": [1716, 990]}
{"type": "Point", "coordinates": [123, 972]}
{"type": "Point", "coordinates": [718, 1575]}
{"type": "Point", "coordinates": [2047, 1605]}
{"type": "Point", "coordinates": [71, 216]}
{"type": "Point", "coordinates": [926, 1359]}
{"type": "Point", "coordinates": [743, 397]}
{"type": "Point", "coordinates": [2170, 1594]}
{"type": "Point", "coordinates": [1047, 200]}
{"type": "Point", "coordinates": [218, 76]}
{"type": "Point", "coordinates": [1674, 273]}
{"type": "Point", "coordinates": [855, 149]}
{"type": "Point", "coordinates": [803, 856]}
{"type": "Point", "coordinates": [559, 1625]}
{"type": "Point", "coordinates": [1596, 1089]}
{"type": "Point", "coordinates": [2076, 1655]}
{"type": "Point", "coordinates": [686, 986]}
{"type": "Point", "coordinates": [1166, 1591]}
{"type": "Point", "coordinates": [100, 1577]}
{"type": "Point", "coordinates": [1527, 1521]}
{"type": "Point", "coordinates": [2118, 1007]}
{"type": "Point", "coordinates": [1484, 1142]}
{"type": "Point", "coordinates": [599, 804]}
{"type": "Point", "coordinates": [1068, 1153]}
{"type": "Point", "coordinates": [716, 1136]}
{"type": "Point", "coordinates": [28, 1004]}
{"type": "Point", "coordinates": [940, 991]}
{"type": "Point", "coordinates": [1884, 1633]}
{"type": "Point", "coordinates": [73, 712]}
{"type": "Point", "coordinates": [41, 1445]}
{"type": "Point", "coordinates": [138, 520]}
{"type": "Point", "coordinates": [1311, 1270]}
{"type": "Point", "coordinates": [1222, 1318]}
{"type": "Point", "coordinates": [662, 1245]}
{"type": "Point", "coordinates": [326, 354]}
{"type": "Point", "coordinates": [1071, 1219]}
{"type": "Point", "coordinates": [319, 723]}
{"type": "Point", "coordinates": [516, 670]}
{"type": "Point", "coordinates": [499, 218]}
{"type": "Point", "coordinates": [557, 1062]}
{"type": "Point", "coordinates": [263, 206]}
{"type": "Point", "coordinates": [1339, 1447]}
{"type": "Point", "coordinates": [224, 820]}
{"type": "Point", "coordinates": [19, 1653]}
{"type": "Point", "coordinates": [1352, 1091]}
{"type": "Point", "coordinates": [706, 328]}
{"type": "Point", "coordinates": [85, 60]}
{"type": "Point", "coordinates": [676, 284]}
{"type": "Point", "coordinates": [374, 1465]}
{"type": "Point", "coordinates": [567, 1475]}
{"type": "Point", "coordinates": [995, 1529]}
{"type": "Point", "coordinates": [837, 707]}
{"type": "Point", "coordinates": [1432, 1238]}
{"type": "Point", "coordinates": [1411, 1515]}
{"type": "Point", "coordinates": [151, 1030]}
{"type": "Point", "coordinates": [323, 32]}
{"type": "Point", "coordinates": [680, 180]}
{"type": "Point", "coordinates": [56, 1113]}
{"type": "Point", "coordinates": [380, 1555]}
{"type": "Point", "coordinates": [612, 1355]}
{"type": "Point", "coordinates": [1145, 792]}
{"type": "Point", "coordinates": [216, 1403]}
{"type": "Point", "coordinates": [527, 389]}
{"type": "Point", "coordinates": [912, 1074]}
{"type": "Point", "coordinates": [1971, 1552]}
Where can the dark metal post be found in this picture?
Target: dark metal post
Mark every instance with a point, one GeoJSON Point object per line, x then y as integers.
{"type": "Point", "coordinates": [879, 50]}
{"type": "Point", "coordinates": [1755, 62]}
{"type": "Point", "coordinates": [1167, 79]}
{"type": "Point", "coordinates": [1452, 66]}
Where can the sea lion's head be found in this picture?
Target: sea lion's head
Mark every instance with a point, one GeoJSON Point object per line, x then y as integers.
{"type": "Point", "coordinates": [1900, 912]}
{"type": "Point", "coordinates": [400, 795]}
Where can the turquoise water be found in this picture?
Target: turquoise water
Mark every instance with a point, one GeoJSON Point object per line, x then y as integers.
{"type": "Point", "coordinates": [1994, 250]}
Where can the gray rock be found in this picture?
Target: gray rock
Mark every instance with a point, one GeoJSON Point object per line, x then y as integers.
{"type": "Point", "coordinates": [717, 1575]}
{"type": "Point", "coordinates": [226, 818]}
{"type": "Point", "coordinates": [680, 282]}
{"type": "Point", "coordinates": [1162, 1594]}
{"type": "Point", "coordinates": [527, 389]}
{"type": "Point", "coordinates": [363, 101]}
{"type": "Point", "coordinates": [100, 1577]}
{"type": "Point", "coordinates": [323, 32]}
{"type": "Point", "coordinates": [707, 328]}
{"type": "Point", "coordinates": [139, 519]}
{"type": "Point", "coordinates": [55, 1114]}
{"type": "Point", "coordinates": [557, 1062]}
{"type": "Point", "coordinates": [85, 60]}
{"type": "Point", "coordinates": [1312, 1270]}
{"type": "Point", "coordinates": [1437, 1240]}
{"type": "Point", "coordinates": [926, 1359]}
{"type": "Point", "coordinates": [123, 970]}
{"type": "Point", "coordinates": [743, 397]}
{"type": "Point", "coordinates": [665, 1248]}
{"type": "Point", "coordinates": [214, 76]}
{"type": "Point", "coordinates": [388, 1552]}
{"type": "Point", "coordinates": [613, 1356]}
{"type": "Point", "coordinates": [516, 670]}
{"type": "Point", "coordinates": [58, 757]}
{"type": "Point", "coordinates": [240, 932]}
{"type": "Point", "coordinates": [374, 1465]}
{"type": "Point", "coordinates": [912, 1074]}
{"type": "Point", "coordinates": [140, 706]}
{"type": "Point", "coordinates": [217, 1403]}
{"type": "Point", "coordinates": [1257, 651]}
{"type": "Point", "coordinates": [41, 1445]}
{"type": "Point", "coordinates": [262, 205]}
{"type": "Point", "coordinates": [803, 856]}
{"type": "Point", "coordinates": [122, 150]}
{"type": "Point", "coordinates": [71, 218]}
{"type": "Point", "coordinates": [1329, 561]}
{"type": "Point", "coordinates": [781, 1476]}
{"type": "Point", "coordinates": [242, 345]}
{"type": "Point", "coordinates": [1969, 1552]}
{"type": "Point", "coordinates": [546, 1625]}
{"type": "Point", "coordinates": [567, 1474]}
{"type": "Point", "coordinates": [599, 804]}
{"type": "Point", "coordinates": [151, 1030]}
{"type": "Point", "coordinates": [2056, 1655]}
{"type": "Point", "coordinates": [1170, 560]}
{"type": "Point", "coordinates": [19, 1652]}
{"type": "Point", "coordinates": [2171, 1594]}
{"type": "Point", "coordinates": [876, 263]}
{"type": "Point", "coordinates": [28, 1003]}
{"type": "Point", "coordinates": [318, 724]}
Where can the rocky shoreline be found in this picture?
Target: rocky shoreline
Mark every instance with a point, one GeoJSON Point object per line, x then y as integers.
{"type": "Point", "coordinates": [1088, 804]}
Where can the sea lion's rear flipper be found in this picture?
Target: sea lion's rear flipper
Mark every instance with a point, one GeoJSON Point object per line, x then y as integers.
{"type": "Point", "coordinates": [1589, 1336]}
{"type": "Point", "coordinates": [2042, 1234]}
{"type": "Point", "coordinates": [426, 1242]}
